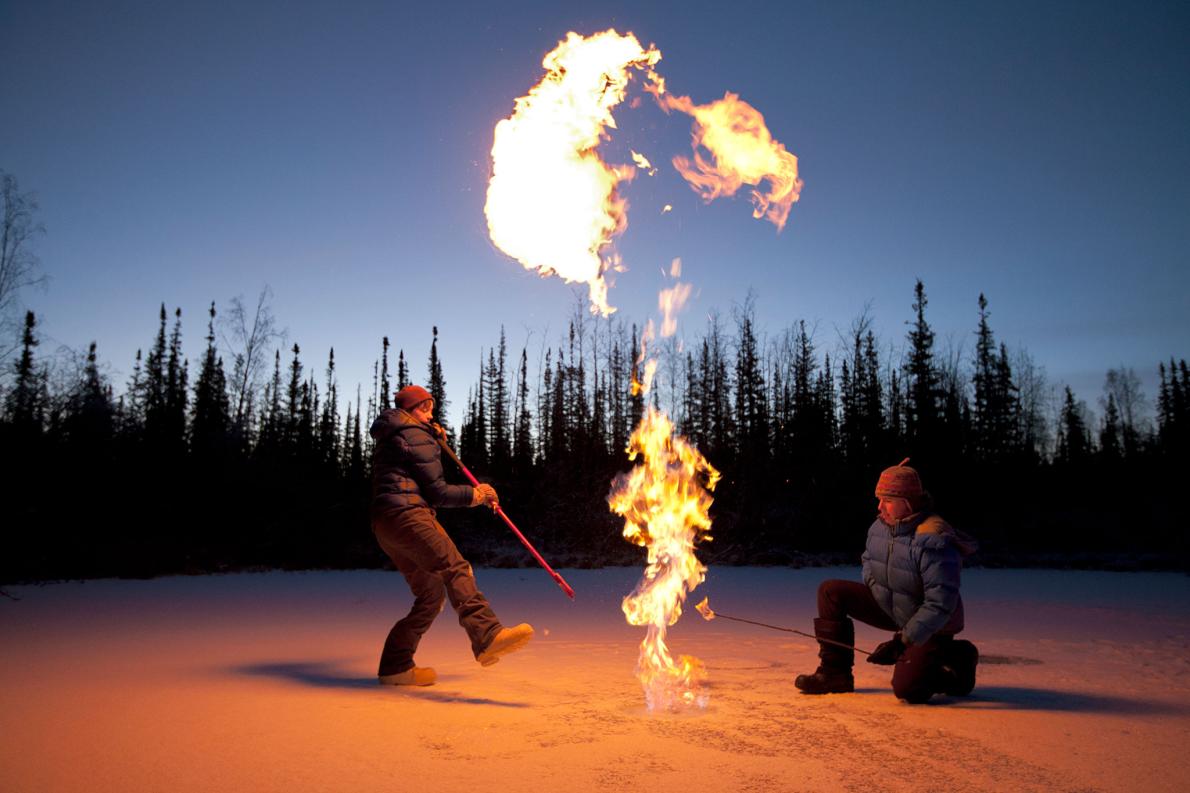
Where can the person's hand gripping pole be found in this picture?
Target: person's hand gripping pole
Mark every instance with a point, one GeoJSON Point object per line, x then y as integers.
{"type": "Point", "coordinates": [440, 436]}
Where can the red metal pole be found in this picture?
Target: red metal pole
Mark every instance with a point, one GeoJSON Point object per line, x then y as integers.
{"type": "Point", "coordinates": [561, 582]}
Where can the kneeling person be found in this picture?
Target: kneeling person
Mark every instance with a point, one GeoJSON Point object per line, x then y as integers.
{"type": "Point", "coordinates": [911, 570]}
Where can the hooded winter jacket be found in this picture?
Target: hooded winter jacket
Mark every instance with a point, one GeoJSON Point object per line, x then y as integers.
{"type": "Point", "coordinates": [912, 569]}
{"type": "Point", "coordinates": [407, 467]}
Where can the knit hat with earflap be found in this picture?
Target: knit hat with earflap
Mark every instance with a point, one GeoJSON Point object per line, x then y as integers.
{"type": "Point", "coordinates": [901, 481]}
{"type": "Point", "coordinates": [411, 396]}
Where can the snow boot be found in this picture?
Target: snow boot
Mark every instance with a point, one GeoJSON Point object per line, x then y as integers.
{"type": "Point", "coordinates": [508, 640]}
{"type": "Point", "coordinates": [417, 676]}
{"type": "Point", "coordinates": [834, 670]}
{"type": "Point", "coordinates": [958, 673]}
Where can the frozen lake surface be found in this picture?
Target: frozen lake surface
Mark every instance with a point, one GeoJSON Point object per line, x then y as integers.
{"type": "Point", "coordinates": [265, 682]}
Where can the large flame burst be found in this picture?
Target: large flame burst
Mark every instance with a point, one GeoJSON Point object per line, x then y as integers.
{"type": "Point", "coordinates": [554, 205]}
{"type": "Point", "coordinates": [665, 508]}
{"type": "Point", "coordinates": [552, 202]}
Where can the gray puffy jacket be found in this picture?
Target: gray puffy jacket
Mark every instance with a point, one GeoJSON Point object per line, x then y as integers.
{"type": "Point", "coordinates": [407, 467]}
{"type": "Point", "coordinates": [912, 569]}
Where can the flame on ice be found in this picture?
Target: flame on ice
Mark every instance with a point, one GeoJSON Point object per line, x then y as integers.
{"type": "Point", "coordinates": [742, 151]}
{"type": "Point", "coordinates": [552, 202]}
{"type": "Point", "coordinates": [665, 508]}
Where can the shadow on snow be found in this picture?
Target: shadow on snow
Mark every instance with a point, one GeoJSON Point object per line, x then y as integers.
{"type": "Point", "coordinates": [324, 675]}
{"type": "Point", "coordinates": [1019, 698]}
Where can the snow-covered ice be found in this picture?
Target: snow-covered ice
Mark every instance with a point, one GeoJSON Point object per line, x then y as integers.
{"type": "Point", "coordinates": [263, 682]}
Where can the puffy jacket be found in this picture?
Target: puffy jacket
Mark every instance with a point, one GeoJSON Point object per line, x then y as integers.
{"type": "Point", "coordinates": [912, 569]}
{"type": "Point", "coordinates": [407, 467]}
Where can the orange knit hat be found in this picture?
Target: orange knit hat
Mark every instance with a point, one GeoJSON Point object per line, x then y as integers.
{"type": "Point", "coordinates": [411, 396]}
{"type": "Point", "coordinates": [900, 481]}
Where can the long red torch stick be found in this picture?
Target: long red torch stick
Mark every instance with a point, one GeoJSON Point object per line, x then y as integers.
{"type": "Point", "coordinates": [561, 582]}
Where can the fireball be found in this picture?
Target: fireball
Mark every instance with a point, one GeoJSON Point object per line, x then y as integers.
{"type": "Point", "coordinates": [552, 202]}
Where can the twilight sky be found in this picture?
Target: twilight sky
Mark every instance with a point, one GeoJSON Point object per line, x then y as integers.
{"type": "Point", "coordinates": [339, 152]}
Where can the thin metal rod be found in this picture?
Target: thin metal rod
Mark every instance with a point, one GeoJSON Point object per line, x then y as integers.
{"type": "Point", "coordinates": [561, 582]}
{"type": "Point", "coordinates": [721, 615]}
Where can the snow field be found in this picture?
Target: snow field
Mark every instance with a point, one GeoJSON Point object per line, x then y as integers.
{"type": "Point", "coordinates": [265, 681]}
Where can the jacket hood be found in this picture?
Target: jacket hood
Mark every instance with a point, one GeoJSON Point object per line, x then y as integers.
{"type": "Point", "coordinates": [934, 529]}
{"type": "Point", "coordinates": [930, 529]}
{"type": "Point", "coordinates": [392, 421]}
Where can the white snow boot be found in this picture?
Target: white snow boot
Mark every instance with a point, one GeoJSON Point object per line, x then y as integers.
{"type": "Point", "coordinates": [417, 676]}
{"type": "Point", "coordinates": [508, 640]}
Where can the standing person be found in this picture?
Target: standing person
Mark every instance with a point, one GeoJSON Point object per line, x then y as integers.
{"type": "Point", "coordinates": [407, 486]}
{"type": "Point", "coordinates": [911, 586]}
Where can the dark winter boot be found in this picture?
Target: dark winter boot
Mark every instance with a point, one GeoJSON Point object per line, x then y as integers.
{"type": "Point", "coordinates": [958, 673]}
{"type": "Point", "coordinates": [834, 670]}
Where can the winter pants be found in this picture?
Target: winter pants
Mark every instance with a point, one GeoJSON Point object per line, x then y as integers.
{"type": "Point", "coordinates": [435, 570]}
{"type": "Point", "coordinates": [918, 673]}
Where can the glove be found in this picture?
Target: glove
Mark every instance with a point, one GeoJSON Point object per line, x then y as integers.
{"type": "Point", "coordinates": [485, 494]}
{"type": "Point", "coordinates": [887, 653]}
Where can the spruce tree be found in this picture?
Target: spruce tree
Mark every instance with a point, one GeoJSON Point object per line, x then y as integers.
{"type": "Point", "coordinates": [559, 424]}
{"type": "Point", "coordinates": [722, 429]}
{"type": "Point", "coordinates": [89, 420]}
{"type": "Point", "coordinates": [1074, 442]}
{"type": "Point", "coordinates": [1110, 445]}
{"type": "Point", "coordinates": [328, 420]}
{"type": "Point", "coordinates": [984, 407]}
{"type": "Point", "coordinates": [210, 419]}
{"type": "Point", "coordinates": [437, 387]}
{"type": "Point", "coordinates": [751, 406]}
{"type": "Point", "coordinates": [293, 402]}
{"type": "Point", "coordinates": [825, 393]}
{"type": "Point", "coordinates": [522, 444]}
{"type": "Point", "coordinates": [995, 409]}
{"type": "Point", "coordinates": [806, 429]}
{"type": "Point", "coordinates": [176, 390]}
{"type": "Point", "coordinates": [385, 384]}
{"type": "Point", "coordinates": [922, 391]}
{"type": "Point", "coordinates": [273, 423]}
{"type": "Point", "coordinates": [155, 390]}
{"type": "Point", "coordinates": [481, 437]}
{"type": "Point", "coordinates": [545, 406]}
{"type": "Point", "coordinates": [132, 417]}
{"type": "Point", "coordinates": [356, 471]}
{"type": "Point", "coordinates": [25, 403]}
{"type": "Point", "coordinates": [500, 440]}
{"type": "Point", "coordinates": [402, 371]}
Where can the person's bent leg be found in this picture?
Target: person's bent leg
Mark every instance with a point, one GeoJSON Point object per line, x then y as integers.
{"type": "Point", "coordinates": [428, 597]}
{"type": "Point", "coordinates": [958, 670]}
{"type": "Point", "coordinates": [838, 602]}
{"type": "Point", "coordinates": [918, 673]}
{"type": "Point", "coordinates": [423, 541]}
{"type": "Point", "coordinates": [839, 599]}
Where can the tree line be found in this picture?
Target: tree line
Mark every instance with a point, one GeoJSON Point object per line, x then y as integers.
{"type": "Point", "coordinates": [263, 463]}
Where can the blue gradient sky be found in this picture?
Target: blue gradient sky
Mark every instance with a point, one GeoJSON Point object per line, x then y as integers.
{"type": "Point", "coordinates": [1039, 153]}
